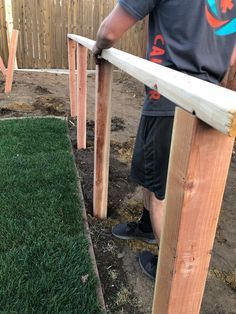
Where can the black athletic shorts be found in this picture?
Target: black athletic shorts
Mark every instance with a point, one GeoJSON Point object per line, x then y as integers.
{"type": "Point", "coordinates": [151, 154]}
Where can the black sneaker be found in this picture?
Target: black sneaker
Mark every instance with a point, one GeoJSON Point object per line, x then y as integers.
{"type": "Point", "coordinates": [148, 264]}
{"type": "Point", "coordinates": [131, 231]}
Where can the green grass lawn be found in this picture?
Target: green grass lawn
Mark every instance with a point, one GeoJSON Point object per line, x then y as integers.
{"type": "Point", "coordinates": [44, 262]}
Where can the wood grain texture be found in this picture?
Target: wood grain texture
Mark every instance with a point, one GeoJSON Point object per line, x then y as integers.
{"type": "Point", "coordinates": [72, 76]}
{"type": "Point", "coordinates": [212, 104]}
{"type": "Point", "coordinates": [82, 56]}
{"type": "Point", "coordinates": [102, 138]}
{"type": "Point", "coordinates": [199, 163]}
{"type": "Point", "coordinates": [3, 33]}
{"type": "Point", "coordinates": [2, 68]}
{"type": "Point", "coordinates": [11, 61]}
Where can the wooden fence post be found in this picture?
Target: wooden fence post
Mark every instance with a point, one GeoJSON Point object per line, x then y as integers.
{"type": "Point", "coordinates": [102, 138]}
{"type": "Point", "coordinates": [72, 76]}
{"type": "Point", "coordinates": [11, 60]}
{"type": "Point", "coordinates": [199, 163]}
{"type": "Point", "coordinates": [9, 25]}
{"type": "Point", "coordinates": [82, 55]}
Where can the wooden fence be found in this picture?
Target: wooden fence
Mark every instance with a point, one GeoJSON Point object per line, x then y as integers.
{"type": "Point", "coordinates": [3, 34]}
{"type": "Point", "coordinates": [44, 24]}
{"type": "Point", "coordinates": [201, 150]}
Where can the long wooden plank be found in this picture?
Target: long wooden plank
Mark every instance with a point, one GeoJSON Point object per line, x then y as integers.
{"type": "Point", "coordinates": [24, 32]}
{"type": "Point", "coordinates": [11, 61]}
{"type": "Point", "coordinates": [199, 163]}
{"type": "Point", "coordinates": [9, 23]}
{"type": "Point", "coordinates": [17, 11]}
{"type": "Point", "coordinates": [47, 24]}
{"type": "Point", "coordinates": [102, 138]}
{"type": "Point", "coordinates": [72, 76]}
{"type": "Point", "coordinates": [29, 8]}
{"type": "Point", "coordinates": [213, 104]}
{"type": "Point", "coordinates": [82, 56]}
{"type": "Point", "coordinates": [35, 35]}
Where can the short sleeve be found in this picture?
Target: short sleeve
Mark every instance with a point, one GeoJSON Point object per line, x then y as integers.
{"type": "Point", "coordinates": [138, 8]}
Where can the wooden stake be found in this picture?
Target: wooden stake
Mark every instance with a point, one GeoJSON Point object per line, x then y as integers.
{"type": "Point", "coordinates": [11, 61]}
{"type": "Point", "coordinates": [72, 76]}
{"type": "Point", "coordinates": [9, 25]}
{"type": "Point", "coordinates": [102, 138]}
{"type": "Point", "coordinates": [82, 55]}
{"type": "Point", "coordinates": [199, 163]}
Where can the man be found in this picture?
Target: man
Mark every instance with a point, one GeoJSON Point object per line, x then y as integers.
{"type": "Point", "coordinates": [194, 37]}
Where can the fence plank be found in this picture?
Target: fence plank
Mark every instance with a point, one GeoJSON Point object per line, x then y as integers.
{"type": "Point", "coordinates": [72, 76]}
{"type": "Point", "coordinates": [11, 61]}
{"type": "Point", "coordinates": [35, 36]}
{"type": "Point", "coordinates": [102, 138]}
{"type": "Point", "coordinates": [3, 33]}
{"type": "Point", "coordinates": [199, 163]}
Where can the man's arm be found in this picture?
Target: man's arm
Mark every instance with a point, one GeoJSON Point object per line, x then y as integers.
{"type": "Point", "coordinates": [229, 80]}
{"type": "Point", "coordinates": [112, 29]}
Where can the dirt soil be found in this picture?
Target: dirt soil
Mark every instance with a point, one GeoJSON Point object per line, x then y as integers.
{"type": "Point", "coordinates": [126, 289]}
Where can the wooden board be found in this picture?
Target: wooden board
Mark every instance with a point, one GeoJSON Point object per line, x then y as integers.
{"type": "Point", "coordinates": [199, 163]}
{"type": "Point", "coordinates": [102, 138]}
{"type": "Point", "coordinates": [82, 56]}
{"type": "Point", "coordinates": [72, 76]}
{"type": "Point", "coordinates": [11, 61]}
{"type": "Point", "coordinates": [213, 104]}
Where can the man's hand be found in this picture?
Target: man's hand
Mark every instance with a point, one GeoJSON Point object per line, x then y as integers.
{"type": "Point", "coordinates": [96, 54]}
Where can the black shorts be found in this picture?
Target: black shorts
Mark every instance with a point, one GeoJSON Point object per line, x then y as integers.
{"type": "Point", "coordinates": [151, 154]}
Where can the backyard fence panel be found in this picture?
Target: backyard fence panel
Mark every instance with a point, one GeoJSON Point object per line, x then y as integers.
{"type": "Point", "coordinates": [44, 24]}
{"type": "Point", "coordinates": [3, 34]}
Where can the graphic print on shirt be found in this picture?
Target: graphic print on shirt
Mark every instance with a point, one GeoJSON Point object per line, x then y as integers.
{"type": "Point", "coordinates": [158, 50]}
{"type": "Point", "coordinates": [214, 10]}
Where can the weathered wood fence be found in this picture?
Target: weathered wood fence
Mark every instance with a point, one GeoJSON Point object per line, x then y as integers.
{"type": "Point", "coordinates": [3, 33]}
{"type": "Point", "coordinates": [202, 144]}
{"type": "Point", "coordinates": [44, 24]}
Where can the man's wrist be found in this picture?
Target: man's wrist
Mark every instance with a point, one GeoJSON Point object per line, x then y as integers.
{"type": "Point", "coordinates": [104, 43]}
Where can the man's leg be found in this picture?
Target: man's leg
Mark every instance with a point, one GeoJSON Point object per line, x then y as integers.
{"type": "Point", "coordinates": [149, 169]}
{"type": "Point", "coordinates": [147, 260]}
{"type": "Point", "coordinates": [136, 230]}
{"type": "Point", "coordinates": [156, 211]}
{"type": "Point", "coordinates": [141, 229]}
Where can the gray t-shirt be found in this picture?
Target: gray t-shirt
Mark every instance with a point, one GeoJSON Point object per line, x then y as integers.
{"type": "Point", "coordinates": [195, 37]}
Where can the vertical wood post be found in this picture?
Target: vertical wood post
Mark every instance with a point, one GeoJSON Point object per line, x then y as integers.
{"type": "Point", "coordinates": [199, 163]}
{"type": "Point", "coordinates": [102, 138]}
{"type": "Point", "coordinates": [9, 25]}
{"type": "Point", "coordinates": [72, 76]}
{"type": "Point", "coordinates": [11, 60]}
{"type": "Point", "coordinates": [82, 55]}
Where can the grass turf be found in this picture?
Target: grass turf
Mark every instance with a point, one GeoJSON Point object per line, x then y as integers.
{"type": "Point", "coordinates": [44, 262]}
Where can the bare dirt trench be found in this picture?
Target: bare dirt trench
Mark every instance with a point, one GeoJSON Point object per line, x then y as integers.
{"type": "Point", "coordinates": [126, 289]}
